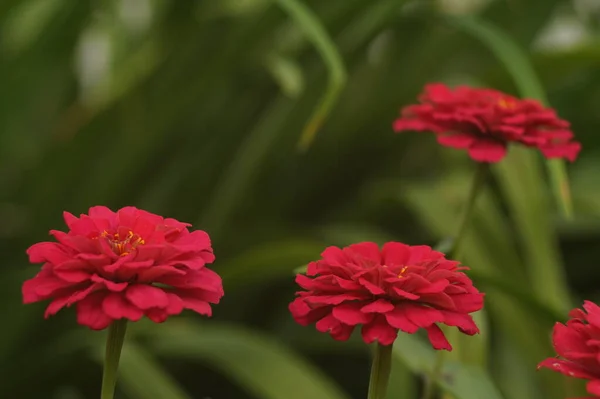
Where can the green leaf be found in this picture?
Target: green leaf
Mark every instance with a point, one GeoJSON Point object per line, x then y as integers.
{"type": "Point", "coordinates": [268, 261]}
{"type": "Point", "coordinates": [260, 364]}
{"type": "Point", "coordinates": [317, 34]}
{"type": "Point", "coordinates": [460, 380]}
{"type": "Point", "coordinates": [141, 377]}
{"type": "Point", "coordinates": [521, 178]}
{"type": "Point", "coordinates": [287, 74]}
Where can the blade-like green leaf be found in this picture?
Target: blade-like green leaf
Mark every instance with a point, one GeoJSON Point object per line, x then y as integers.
{"type": "Point", "coordinates": [257, 362]}
{"type": "Point", "coordinates": [271, 260]}
{"type": "Point", "coordinates": [141, 377]}
{"type": "Point", "coordinates": [317, 34]}
{"type": "Point", "coordinates": [460, 380]}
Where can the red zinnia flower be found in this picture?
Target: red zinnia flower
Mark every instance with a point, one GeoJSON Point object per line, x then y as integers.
{"type": "Point", "coordinates": [484, 121]}
{"type": "Point", "coordinates": [124, 265]}
{"type": "Point", "coordinates": [399, 287]}
{"type": "Point", "coordinates": [578, 345]}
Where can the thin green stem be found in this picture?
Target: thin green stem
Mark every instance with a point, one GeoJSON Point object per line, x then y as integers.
{"type": "Point", "coordinates": [477, 183]}
{"type": "Point", "coordinates": [380, 371]}
{"type": "Point", "coordinates": [114, 344]}
{"type": "Point", "coordinates": [452, 252]}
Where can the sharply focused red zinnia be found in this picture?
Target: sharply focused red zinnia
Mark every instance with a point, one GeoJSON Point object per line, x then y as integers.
{"type": "Point", "coordinates": [398, 287]}
{"type": "Point", "coordinates": [485, 121]}
{"type": "Point", "coordinates": [126, 264]}
{"type": "Point", "coordinates": [578, 346]}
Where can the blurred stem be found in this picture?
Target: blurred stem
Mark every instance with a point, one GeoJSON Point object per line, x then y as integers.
{"type": "Point", "coordinates": [560, 186]}
{"type": "Point", "coordinates": [435, 372]}
{"type": "Point", "coordinates": [477, 183]}
{"type": "Point", "coordinates": [380, 371]}
{"type": "Point", "coordinates": [114, 344]}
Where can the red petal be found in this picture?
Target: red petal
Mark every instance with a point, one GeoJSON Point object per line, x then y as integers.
{"type": "Point", "coordinates": [176, 305]}
{"type": "Point", "coordinates": [422, 316]}
{"type": "Point", "coordinates": [116, 306]}
{"type": "Point", "coordinates": [404, 294]}
{"type": "Point", "coordinates": [567, 368]}
{"type": "Point", "coordinates": [197, 305]}
{"type": "Point", "coordinates": [338, 331]}
{"type": "Point", "coordinates": [419, 253]}
{"type": "Point", "coordinates": [437, 338]}
{"type": "Point", "coordinates": [146, 296]}
{"type": "Point", "coordinates": [56, 305]}
{"type": "Point", "coordinates": [379, 330]}
{"type": "Point", "coordinates": [366, 251]}
{"type": "Point", "coordinates": [456, 140]}
{"type": "Point", "coordinates": [568, 340]}
{"type": "Point", "coordinates": [351, 314]}
{"type": "Point", "coordinates": [435, 287]}
{"type": "Point", "coordinates": [463, 321]}
{"type": "Point", "coordinates": [372, 288]}
{"type": "Point", "coordinates": [157, 315]}
{"type": "Point", "coordinates": [110, 285]}
{"type": "Point", "coordinates": [334, 256]}
{"type": "Point", "coordinates": [397, 318]}
{"type": "Point", "coordinates": [90, 313]}
{"type": "Point", "coordinates": [395, 253]}
{"type": "Point", "coordinates": [47, 252]}
{"type": "Point", "coordinates": [487, 151]}
{"type": "Point", "coordinates": [467, 303]}
{"type": "Point", "coordinates": [593, 387]}
{"type": "Point", "coordinates": [379, 306]}
{"type": "Point", "coordinates": [409, 123]}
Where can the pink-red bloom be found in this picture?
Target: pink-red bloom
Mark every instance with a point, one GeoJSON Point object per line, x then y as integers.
{"type": "Point", "coordinates": [578, 346]}
{"type": "Point", "coordinates": [485, 121]}
{"type": "Point", "coordinates": [398, 287]}
{"type": "Point", "coordinates": [126, 264]}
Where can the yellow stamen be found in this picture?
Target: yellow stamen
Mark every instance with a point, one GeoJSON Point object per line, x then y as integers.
{"type": "Point", "coordinates": [506, 103]}
{"type": "Point", "coordinates": [402, 271]}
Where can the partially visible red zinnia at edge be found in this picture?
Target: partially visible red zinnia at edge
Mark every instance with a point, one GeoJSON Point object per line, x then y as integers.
{"type": "Point", "coordinates": [124, 265]}
{"type": "Point", "coordinates": [577, 344]}
{"type": "Point", "coordinates": [486, 121]}
{"type": "Point", "coordinates": [398, 287]}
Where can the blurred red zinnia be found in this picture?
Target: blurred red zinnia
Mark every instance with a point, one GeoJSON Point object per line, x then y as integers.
{"type": "Point", "coordinates": [399, 287]}
{"type": "Point", "coordinates": [485, 121]}
{"type": "Point", "coordinates": [578, 345]}
{"type": "Point", "coordinates": [126, 264]}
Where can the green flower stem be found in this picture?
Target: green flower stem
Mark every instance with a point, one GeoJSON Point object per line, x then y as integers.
{"type": "Point", "coordinates": [380, 371]}
{"type": "Point", "coordinates": [477, 183]}
{"type": "Point", "coordinates": [479, 178]}
{"type": "Point", "coordinates": [114, 344]}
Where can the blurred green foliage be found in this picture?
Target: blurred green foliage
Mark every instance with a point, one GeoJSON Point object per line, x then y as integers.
{"type": "Point", "coordinates": [195, 110]}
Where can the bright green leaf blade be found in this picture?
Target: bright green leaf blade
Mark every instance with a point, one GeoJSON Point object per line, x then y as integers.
{"type": "Point", "coordinates": [141, 377]}
{"type": "Point", "coordinates": [260, 364]}
{"type": "Point", "coordinates": [519, 66]}
{"type": "Point", "coordinates": [460, 380]}
{"type": "Point", "coordinates": [317, 34]}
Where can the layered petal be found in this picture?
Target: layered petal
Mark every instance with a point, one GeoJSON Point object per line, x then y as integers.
{"type": "Point", "coordinates": [395, 288]}
{"type": "Point", "coordinates": [484, 122]}
{"type": "Point", "coordinates": [577, 344]}
{"type": "Point", "coordinates": [125, 264]}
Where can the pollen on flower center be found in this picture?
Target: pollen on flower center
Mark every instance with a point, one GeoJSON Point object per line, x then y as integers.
{"type": "Point", "coordinates": [123, 246]}
{"type": "Point", "coordinates": [402, 271]}
{"type": "Point", "coordinates": [506, 103]}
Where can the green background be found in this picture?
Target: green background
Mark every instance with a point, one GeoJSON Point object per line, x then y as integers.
{"type": "Point", "coordinates": [194, 110]}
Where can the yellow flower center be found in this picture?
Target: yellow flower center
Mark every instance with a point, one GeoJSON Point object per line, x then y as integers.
{"type": "Point", "coordinates": [402, 271]}
{"type": "Point", "coordinates": [506, 103]}
{"type": "Point", "coordinates": [123, 246]}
